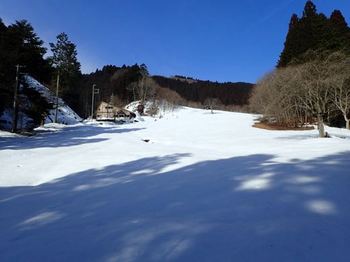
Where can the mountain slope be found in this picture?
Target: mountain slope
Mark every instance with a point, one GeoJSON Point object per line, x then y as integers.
{"type": "Point", "coordinates": [65, 115]}
{"type": "Point", "coordinates": [37, 106]}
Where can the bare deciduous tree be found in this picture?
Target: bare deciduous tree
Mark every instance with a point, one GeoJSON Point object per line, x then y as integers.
{"type": "Point", "coordinates": [314, 89]}
{"type": "Point", "coordinates": [212, 103]}
{"type": "Point", "coordinates": [341, 85]}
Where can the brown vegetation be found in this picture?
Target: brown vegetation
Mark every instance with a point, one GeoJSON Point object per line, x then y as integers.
{"type": "Point", "coordinates": [272, 126]}
{"type": "Point", "coordinates": [298, 94]}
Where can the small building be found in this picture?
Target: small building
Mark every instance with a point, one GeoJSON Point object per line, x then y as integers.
{"type": "Point", "coordinates": [108, 112]}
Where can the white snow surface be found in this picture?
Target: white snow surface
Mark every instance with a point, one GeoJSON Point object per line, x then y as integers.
{"type": "Point", "coordinates": [65, 114]}
{"type": "Point", "coordinates": [206, 187]}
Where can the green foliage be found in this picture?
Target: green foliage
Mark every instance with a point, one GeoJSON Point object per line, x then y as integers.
{"type": "Point", "coordinates": [65, 62]}
{"type": "Point", "coordinates": [110, 80]}
{"type": "Point", "coordinates": [19, 44]}
{"type": "Point", "coordinates": [314, 32]}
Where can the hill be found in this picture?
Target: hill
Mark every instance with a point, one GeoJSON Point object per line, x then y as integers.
{"type": "Point", "coordinates": [198, 90]}
{"type": "Point", "coordinates": [116, 83]}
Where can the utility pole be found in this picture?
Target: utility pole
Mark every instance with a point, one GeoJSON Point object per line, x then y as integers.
{"type": "Point", "coordinates": [92, 101]}
{"type": "Point", "coordinates": [15, 101]}
{"type": "Point", "coordinates": [57, 87]}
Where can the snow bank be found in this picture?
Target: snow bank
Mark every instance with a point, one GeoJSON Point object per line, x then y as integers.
{"type": "Point", "coordinates": [164, 108]}
{"type": "Point", "coordinates": [6, 119]}
{"type": "Point", "coordinates": [65, 114]}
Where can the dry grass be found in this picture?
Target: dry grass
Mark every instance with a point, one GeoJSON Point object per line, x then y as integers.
{"type": "Point", "coordinates": [269, 126]}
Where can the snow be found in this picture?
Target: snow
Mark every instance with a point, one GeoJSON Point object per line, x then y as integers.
{"type": "Point", "coordinates": [65, 114]}
{"type": "Point", "coordinates": [206, 187]}
{"type": "Point", "coordinates": [164, 108]}
{"type": "Point", "coordinates": [6, 119]}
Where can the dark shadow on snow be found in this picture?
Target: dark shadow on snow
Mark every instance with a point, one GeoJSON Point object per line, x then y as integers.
{"type": "Point", "coordinates": [246, 208]}
{"type": "Point", "coordinates": [69, 136]}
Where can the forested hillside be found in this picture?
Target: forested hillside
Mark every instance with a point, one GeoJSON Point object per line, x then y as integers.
{"type": "Point", "coordinates": [198, 90]}
{"type": "Point", "coordinates": [118, 85]}
{"type": "Point", "coordinates": [311, 83]}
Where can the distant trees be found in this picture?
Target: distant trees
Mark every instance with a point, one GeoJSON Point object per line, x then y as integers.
{"type": "Point", "coordinates": [197, 91]}
{"type": "Point", "coordinates": [297, 94]}
{"type": "Point", "coordinates": [212, 103]}
{"type": "Point", "coordinates": [168, 98]}
{"type": "Point", "coordinates": [144, 87]}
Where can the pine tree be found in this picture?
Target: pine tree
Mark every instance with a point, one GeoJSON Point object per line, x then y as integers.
{"type": "Point", "coordinates": [19, 44]}
{"type": "Point", "coordinates": [310, 10]}
{"type": "Point", "coordinates": [26, 48]}
{"type": "Point", "coordinates": [291, 44]}
{"type": "Point", "coordinates": [64, 60]}
{"type": "Point", "coordinates": [338, 20]}
{"type": "Point", "coordinates": [314, 32]}
{"type": "Point", "coordinates": [3, 55]}
{"type": "Point", "coordinates": [340, 32]}
{"type": "Point", "coordinates": [2, 26]}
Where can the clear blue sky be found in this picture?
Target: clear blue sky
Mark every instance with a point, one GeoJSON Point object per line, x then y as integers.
{"type": "Point", "coordinates": [223, 40]}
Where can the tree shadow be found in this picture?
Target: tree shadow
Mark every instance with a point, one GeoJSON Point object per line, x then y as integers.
{"type": "Point", "coordinates": [69, 136]}
{"type": "Point", "coordinates": [248, 208]}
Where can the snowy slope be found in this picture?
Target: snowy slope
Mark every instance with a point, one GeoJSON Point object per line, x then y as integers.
{"type": "Point", "coordinates": [206, 187]}
{"type": "Point", "coordinates": [65, 114]}
{"type": "Point", "coordinates": [164, 107]}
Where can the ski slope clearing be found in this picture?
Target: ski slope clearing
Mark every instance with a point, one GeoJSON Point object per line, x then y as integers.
{"type": "Point", "coordinates": [205, 187]}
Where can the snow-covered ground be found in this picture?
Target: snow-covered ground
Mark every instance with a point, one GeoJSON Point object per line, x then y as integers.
{"type": "Point", "coordinates": [206, 187]}
{"type": "Point", "coordinates": [65, 114]}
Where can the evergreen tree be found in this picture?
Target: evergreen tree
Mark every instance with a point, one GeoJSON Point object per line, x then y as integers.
{"type": "Point", "coordinates": [26, 48]}
{"type": "Point", "coordinates": [19, 44]}
{"type": "Point", "coordinates": [64, 60]}
{"type": "Point", "coordinates": [314, 32]}
{"type": "Point", "coordinates": [3, 55]}
{"type": "Point", "coordinates": [2, 27]}
{"type": "Point", "coordinates": [291, 44]}
{"type": "Point", "coordinates": [309, 10]}
{"type": "Point", "coordinates": [340, 32]}
{"type": "Point", "coordinates": [293, 22]}
{"type": "Point", "coordinates": [338, 20]}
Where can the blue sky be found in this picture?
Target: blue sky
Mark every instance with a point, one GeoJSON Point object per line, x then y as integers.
{"type": "Point", "coordinates": [223, 40]}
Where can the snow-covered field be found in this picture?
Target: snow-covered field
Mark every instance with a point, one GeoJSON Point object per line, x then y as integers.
{"type": "Point", "coordinates": [206, 187]}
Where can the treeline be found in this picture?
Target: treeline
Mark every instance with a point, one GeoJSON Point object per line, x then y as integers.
{"type": "Point", "coordinates": [199, 91]}
{"type": "Point", "coordinates": [121, 85]}
{"type": "Point", "coordinates": [312, 80]}
{"type": "Point", "coordinates": [113, 83]}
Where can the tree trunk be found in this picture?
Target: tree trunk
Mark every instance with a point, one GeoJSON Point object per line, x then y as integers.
{"type": "Point", "coordinates": [321, 130]}
{"type": "Point", "coordinates": [347, 124]}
